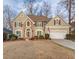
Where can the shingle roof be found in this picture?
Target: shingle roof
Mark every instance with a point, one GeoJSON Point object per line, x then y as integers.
{"type": "Point", "coordinates": [38, 18]}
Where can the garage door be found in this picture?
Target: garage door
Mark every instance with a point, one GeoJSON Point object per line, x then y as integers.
{"type": "Point", "coordinates": [57, 35]}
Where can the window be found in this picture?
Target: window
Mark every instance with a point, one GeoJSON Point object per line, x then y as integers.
{"type": "Point", "coordinates": [28, 32]}
{"type": "Point", "coordinates": [38, 24]}
{"type": "Point", "coordinates": [28, 23]}
{"type": "Point", "coordinates": [20, 24]}
{"type": "Point", "coordinates": [38, 33]}
{"type": "Point", "coordinates": [57, 22]}
{"type": "Point", "coordinates": [18, 33]}
{"type": "Point", "coordinates": [17, 24]}
{"type": "Point", "coordinates": [28, 29]}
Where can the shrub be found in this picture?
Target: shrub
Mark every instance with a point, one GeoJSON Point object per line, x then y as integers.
{"type": "Point", "coordinates": [70, 36]}
{"type": "Point", "coordinates": [32, 38]}
{"type": "Point", "coordinates": [46, 36]}
{"type": "Point", "coordinates": [13, 37]}
{"type": "Point", "coordinates": [21, 39]}
{"type": "Point", "coordinates": [4, 37]}
{"type": "Point", "coordinates": [35, 37]}
{"type": "Point", "coordinates": [41, 37]}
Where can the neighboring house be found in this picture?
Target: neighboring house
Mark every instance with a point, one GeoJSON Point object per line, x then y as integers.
{"type": "Point", "coordinates": [28, 26]}
{"type": "Point", "coordinates": [57, 28]}
{"type": "Point", "coordinates": [6, 33]}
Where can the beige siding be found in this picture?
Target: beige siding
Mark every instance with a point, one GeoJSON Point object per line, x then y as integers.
{"type": "Point", "coordinates": [24, 19]}
{"type": "Point", "coordinates": [64, 27]}
{"type": "Point", "coordinates": [51, 22]}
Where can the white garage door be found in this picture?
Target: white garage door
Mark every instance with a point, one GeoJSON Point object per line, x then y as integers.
{"type": "Point", "coordinates": [57, 35]}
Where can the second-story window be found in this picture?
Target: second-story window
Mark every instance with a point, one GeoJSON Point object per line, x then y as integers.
{"type": "Point", "coordinates": [38, 24]}
{"type": "Point", "coordinates": [28, 23]}
{"type": "Point", "coordinates": [57, 22]}
{"type": "Point", "coordinates": [20, 24]}
{"type": "Point", "coordinates": [15, 24]}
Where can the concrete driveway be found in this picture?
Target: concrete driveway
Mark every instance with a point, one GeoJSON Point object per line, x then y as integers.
{"type": "Point", "coordinates": [65, 43]}
{"type": "Point", "coordinates": [37, 49]}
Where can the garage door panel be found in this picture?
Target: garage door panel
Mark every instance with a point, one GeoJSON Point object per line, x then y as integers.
{"type": "Point", "coordinates": [57, 35]}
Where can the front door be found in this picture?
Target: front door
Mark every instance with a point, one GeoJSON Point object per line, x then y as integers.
{"type": "Point", "coordinates": [28, 33]}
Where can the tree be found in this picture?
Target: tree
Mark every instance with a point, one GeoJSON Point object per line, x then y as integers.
{"type": "Point", "coordinates": [69, 5]}
{"type": "Point", "coordinates": [57, 11]}
{"type": "Point", "coordinates": [35, 9]}
{"type": "Point", "coordinates": [8, 14]}
{"type": "Point", "coordinates": [46, 8]}
{"type": "Point", "coordinates": [29, 5]}
{"type": "Point", "coordinates": [40, 12]}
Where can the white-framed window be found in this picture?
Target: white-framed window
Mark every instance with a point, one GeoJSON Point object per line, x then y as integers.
{"type": "Point", "coordinates": [18, 24]}
{"type": "Point", "coordinates": [39, 33]}
{"type": "Point", "coordinates": [28, 23]}
{"type": "Point", "coordinates": [57, 22]}
{"type": "Point", "coordinates": [18, 33]}
{"type": "Point", "coordinates": [28, 32]}
{"type": "Point", "coordinates": [38, 24]}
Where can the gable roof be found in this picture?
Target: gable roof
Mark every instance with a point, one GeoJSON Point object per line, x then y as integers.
{"type": "Point", "coordinates": [51, 22]}
{"type": "Point", "coordinates": [22, 16]}
{"type": "Point", "coordinates": [38, 18]}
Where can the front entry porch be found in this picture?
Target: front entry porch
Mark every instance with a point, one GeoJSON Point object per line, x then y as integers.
{"type": "Point", "coordinates": [28, 33]}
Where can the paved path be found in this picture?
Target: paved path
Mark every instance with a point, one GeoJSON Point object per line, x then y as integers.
{"type": "Point", "coordinates": [65, 43]}
{"type": "Point", "coordinates": [35, 49]}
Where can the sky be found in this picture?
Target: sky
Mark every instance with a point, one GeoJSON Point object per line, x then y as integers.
{"type": "Point", "coordinates": [18, 4]}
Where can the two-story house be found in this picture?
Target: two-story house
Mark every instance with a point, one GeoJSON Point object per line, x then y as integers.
{"type": "Point", "coordinates": [29, 26]}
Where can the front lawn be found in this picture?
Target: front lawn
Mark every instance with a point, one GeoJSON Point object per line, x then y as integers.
{"type": "Point", "coordinates": [36, 49]}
